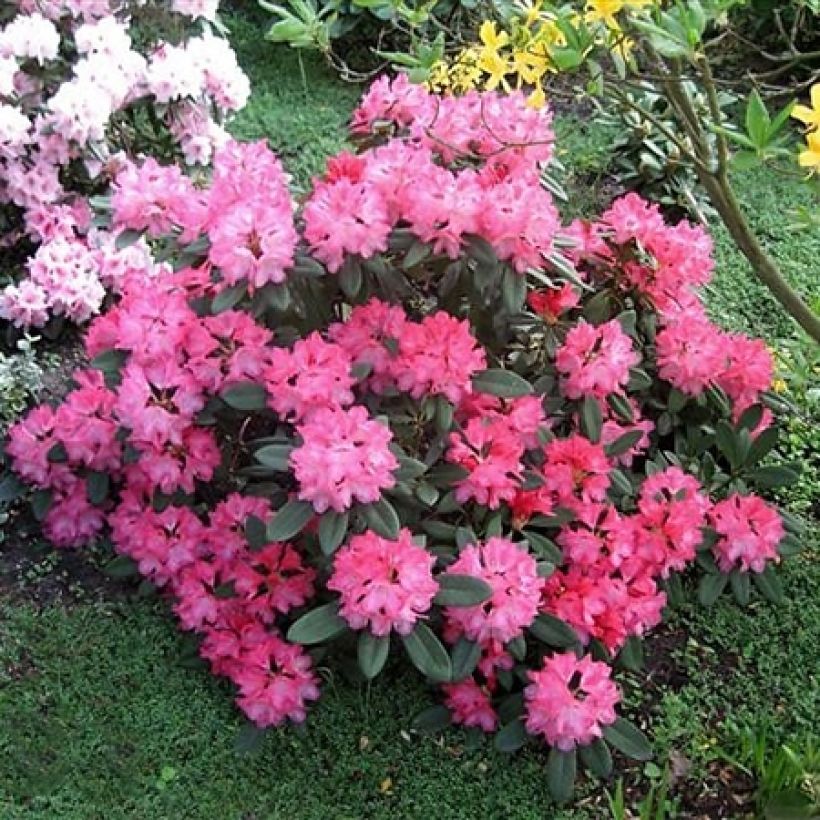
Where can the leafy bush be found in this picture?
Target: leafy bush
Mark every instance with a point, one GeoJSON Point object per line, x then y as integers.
{"type": "Point", "coordinates": [419, 416]}
{"type": "Point", "coordinates": [82, 87]}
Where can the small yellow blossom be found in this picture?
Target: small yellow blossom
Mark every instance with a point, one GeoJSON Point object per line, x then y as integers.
{"type": "Point", "coordinates": [779, 386]}
{"type": "Point", "coordinates": [810, 157]}
{"type": "Point", "coordinates": [492, 39]}
{"type": "Point", "coordinates": [530, 67]}
{"type": "Point", "coordinates": [603, 11]}
{"type": "Point", "coordinates": [538, 99]}
{"type": "Point", "coordinates": [810, 116]}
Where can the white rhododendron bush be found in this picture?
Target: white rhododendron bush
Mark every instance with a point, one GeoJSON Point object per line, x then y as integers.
{"type": "Point", "coordinates": [417, 416]}
{"type": "Point", "coordinates": [84, 86]}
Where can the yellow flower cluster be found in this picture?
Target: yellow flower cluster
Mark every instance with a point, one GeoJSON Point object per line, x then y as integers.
{"type": "Point", "coordinates": [520, 56]}
{"type": "Point", "coordinates": [810, 117]}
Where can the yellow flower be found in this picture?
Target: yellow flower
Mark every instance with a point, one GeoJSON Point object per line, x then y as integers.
{"type": "Point", "coordinates": [549, 34]}
{"type": "Point", "coordinates": [490, 38]}
{"type": "Point", "coordinates": [810, 157]}
{"type": "Point", "coordinates": [496, 66]}
{"type": "Point", "coordinates": [529, 66]}
{"type": "Point", "coordinates": [603, 11]}
{"type": "Point", "coordinates": [538, 98]}
{"type": "Point", "coordinates": [779, 386]}
{"type": "Point", "coordinates": [810, 116]}
{"type": "Point", "coordinates": [532, 12]}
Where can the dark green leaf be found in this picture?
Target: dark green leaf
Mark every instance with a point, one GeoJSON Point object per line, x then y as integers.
{"type": "Point", "coordinates": [553, 632]}
{"type": "Point", "coordinates": [623, 443]}
{"type": "Point", "coordinates": [11, 488]}
{"type": "Point", "coordinates": [372, 652]}
{"type": "Point", "coordinates": [275, 456]}
{"type": "Point", "coordinates": [428, 653]}
{"type": "Point", "coordinates": [289, 520]}
{"type": "Point", "coordinates": [461, 590]}
{"type": "Point", "coordinates": [513, 290]}
{"type": "Point", "coordinates": [256, 533]}
{"type": "Point", "coordinates": [631, 656]}
{"type": "Point", "coordinates": [121, 567]}
{"type": "Point", "coordinates": [629, 739]}
{"type": "Point", "coordinates": [511, 738]}
{"type": "Point", "coordinates": [318, 625]}
{"type": "Point", "coordinates": [249, 739]}
{"type": "Point", "coordinates": [502, 383]}
{"type": "Point", "coordinates": [332, 530]}
{"type": "Point", "coordinates": [97, 485]}
{"type": "Point", "coordinates": [246, 396]}
{"type": "Point", "coordinates": [382, 518]}
{"type": "Point", "coordinates": [229, 297]}
{"type": "Point", "coordinates": [433, 719]}
{"type": "Point", "coordinates": [741, 586]}
{"type": "Point", "coordinates": [466, 655]}
{"type": "Point", "coordinates": [561, 769]}
{"type": "Point", "coordinates": [543, 546]}
{"type": "Point", "coordinates": [591, 419]}
{"type": "Point", "coordinates": [774, 475]}
{"type": "Point", "coordinates": [710, 587]}
{"type": "Point", "coordinates": [350, 278]}
{"type": "Point", "coordinates": [769, 585]}
{"type": "Point", "coordinates": [40, 503]}
{"type": "Point", "coordinates": [597, 758]}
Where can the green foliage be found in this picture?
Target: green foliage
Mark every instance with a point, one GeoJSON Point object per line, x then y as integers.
{"type": "Point", "coordinates": [21, 379]}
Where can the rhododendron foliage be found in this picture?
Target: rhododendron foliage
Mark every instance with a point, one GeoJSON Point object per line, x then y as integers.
{"type": "Point", "coordinates": [78, 96]}
{"type": "Point", "coordinates": [398, 419]}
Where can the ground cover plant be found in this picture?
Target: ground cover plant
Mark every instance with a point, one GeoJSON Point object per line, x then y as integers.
{"type": "Point", "coordinates": [139, 705]}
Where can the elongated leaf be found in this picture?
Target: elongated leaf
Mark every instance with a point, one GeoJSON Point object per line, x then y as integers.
{"type": "Point", "coordinates": [511, 738]}
{"type": "Point", "coordinates": [554, 632]}
{"type": "Point", "coordinates": [332, 530]}
{"type": "Point", "coordinates": [629, 739]}
{"type": "Point", "coordinates": [256, 533]}
{"type": "Point", "coordinates": [597, 758]}
{"type": "Point", "coordinates": [318, 625]}
{"type": "Point", "coordinates": [769, 585]}
{"type": "Point", "coordinates": [432, 719]}
{"type": "Point", "coordinates": [40, 503]}
{"type": "Point", "coordinates": [245, 396]}
{"type": "Point", "coordinates": [382, 518]}
{"type": "Point", "coordinates": [710, 587]}
{"type": "Point", "coordinates": [229, 297]}
{"type": "Point", "coordinates": [513, 291]}
{"type": "Point", "coordinates": [465, 658]}
{"type": "Point", "coordinates": [11, 488]}
{"type": "Point", "coordinates": [741, 585]}
{"type": "Point", "coordinates": [275, 456]}
{"type": "Point", "coordinates": [121, 566]}
{"type": "Point", "coordinates": [97, 485]}
{"type": "Point", "coordinates": [561, 770]}
{"type": "Point", "coordinates": [289, 520]}
{"type": "Point", "coordinates": [461, 590]}
{"type": "Point", "coordinates": [428, 653]}
{"type": "Point", "coordinates": [631, 656]}
{"type": "Point", "coordinates": [502, 383]}
{"type": "Point", "coordinates": [372, 651]}
{"type": "Point", "coordinates": [592, 419]}
{"type": "Point", "coordinates": [543, 547]}
{"type": "Point", "coordinates": [774, 475]}
{"type": "Point", "coordinates": [624, 443]}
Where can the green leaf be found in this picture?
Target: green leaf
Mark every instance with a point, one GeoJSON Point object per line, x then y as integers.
{"type": "Point", "coordinates": [502, 383]}
{"type": "Point", "coordinates": [289, 519]}
{"type": "Point", "coordinates": [623, 443]}
{"type": "Point", "coordinates": [631, 656]}
{"type": "Point", "coordinates": [246, 396]}
{"type": "Point", "coordinates": [350, 278]}
{"type": "Point", "coordinates": [332, 530]}
{"type": "Point", "coordinates": [275, 456]}
{"type": "Point", "coordinates": [127, 238]}
{"type": "Point", "coordinates": [256, 533]}
{"type": "Point", "coordinates": [741, 586]}
{"type": "Point", "coordinates": [249, 739]}
{"type": "Point", "coordinates": [465, 658]}
{"type": "Point", "coordinates": [762, 445]}
{"type": "Point", "coordinates": [40, 503]}
{"type": "Point", "coordinates": [229, 297]}
{"type": "Point", "coordinates": [416, 253]}
{"type": "Point", "coordinates": [433, 719]}
{"type": "Point", "coordinates": [11, 488]}
{"type": "Point", "coordinates": [591, 419]}
{"type": "Point", "coordinates": [122, 566]}
{"type": "Point", "coordinates": [758, 121]}
{"type": "Point", "coordinates": [318, 625]}
{"type": "Point", "coordinates": [621, 407]}
{"type": "Point", "coordinates": [461, 590]}
{"type": "Point", "coordinates": [409, 468]}
{"type": "Point", "coordinates": [372, 652]}
{"type": "Point", "coordinates": [553, 631]}
{"type": "Point", "coordinates": [629, 739]}
{"type": "Point", "coordinates": [561, 770]}
{"type": "Point", "coordinates": [428, 654]}
{"type": "Point", "coordinates": [97, 485]}
{"type": "Point", "coordinates": [511, 738]}
{"type": "Point", "coordinates": [513, 291]}
{"type": "Point", "coordinates": [543, 546]}
{"type": "Point", "coordinates": [769, 585]}
{"type": "Point", "coordinates": [597, 758]}
{"type": "Point", "coordinates": [772, 476]}
{"type": "Point", "coordinates": [710, 587]}
{"type": "Point", "coordinates": [382, 518]}
{"type": "Point", "coordinates": [110, 361]}
{"type": "Point", "coordinates": [727, 441]}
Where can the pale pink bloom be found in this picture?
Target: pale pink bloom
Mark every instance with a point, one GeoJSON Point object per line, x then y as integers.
{"type": "Point", "coordinates": [750, 531]}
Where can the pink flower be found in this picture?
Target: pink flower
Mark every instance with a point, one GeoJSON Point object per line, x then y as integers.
{"type": "Point", "coordinates": [314, 375]}
{"type": "Point", "coordinates": [691, 352]}
{"type": "Point", "coordinates": [552, 303]}
{"type": "Point", "coordinates": [595, 361]}
{"type": "Point", "coordinates": [438, 357]}
{"type": "Point", "coordinates": [512, 575]}
{"type": "Point", "coordinates": [344, 458]}
{"type": "Point", "coordinates": [71, 520]}
{"type": "Point", "coordinates": [383, 584]}
{"type": "Point", "coordinates": [470, 705]}
{"type": "Point", "coordinates": [751, 530]}
{"type": "Point", "coordinates": [576, 472]}
{"type": "Point", "coordinates": [570, 701]}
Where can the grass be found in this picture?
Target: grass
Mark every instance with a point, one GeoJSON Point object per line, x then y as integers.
{"type": "Point", "coordinates": [99, 719]}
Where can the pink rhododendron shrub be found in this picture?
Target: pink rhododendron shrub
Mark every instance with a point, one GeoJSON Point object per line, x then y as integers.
{"type": "Point", "coordinates": [78, 97]}
{"type": "Point", "coordinates": [398, 419]}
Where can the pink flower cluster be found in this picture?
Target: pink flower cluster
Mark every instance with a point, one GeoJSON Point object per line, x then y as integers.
{"type": "Point", "coordinates": [46, 127]}
{"type": "Point", "coordinates": [383, 585]}
{"type": "Point", "coordinates": [453, 175]}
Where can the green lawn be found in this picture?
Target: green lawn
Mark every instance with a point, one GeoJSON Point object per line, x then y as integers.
{"type": "Point", "coordinates": [99, 719]}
